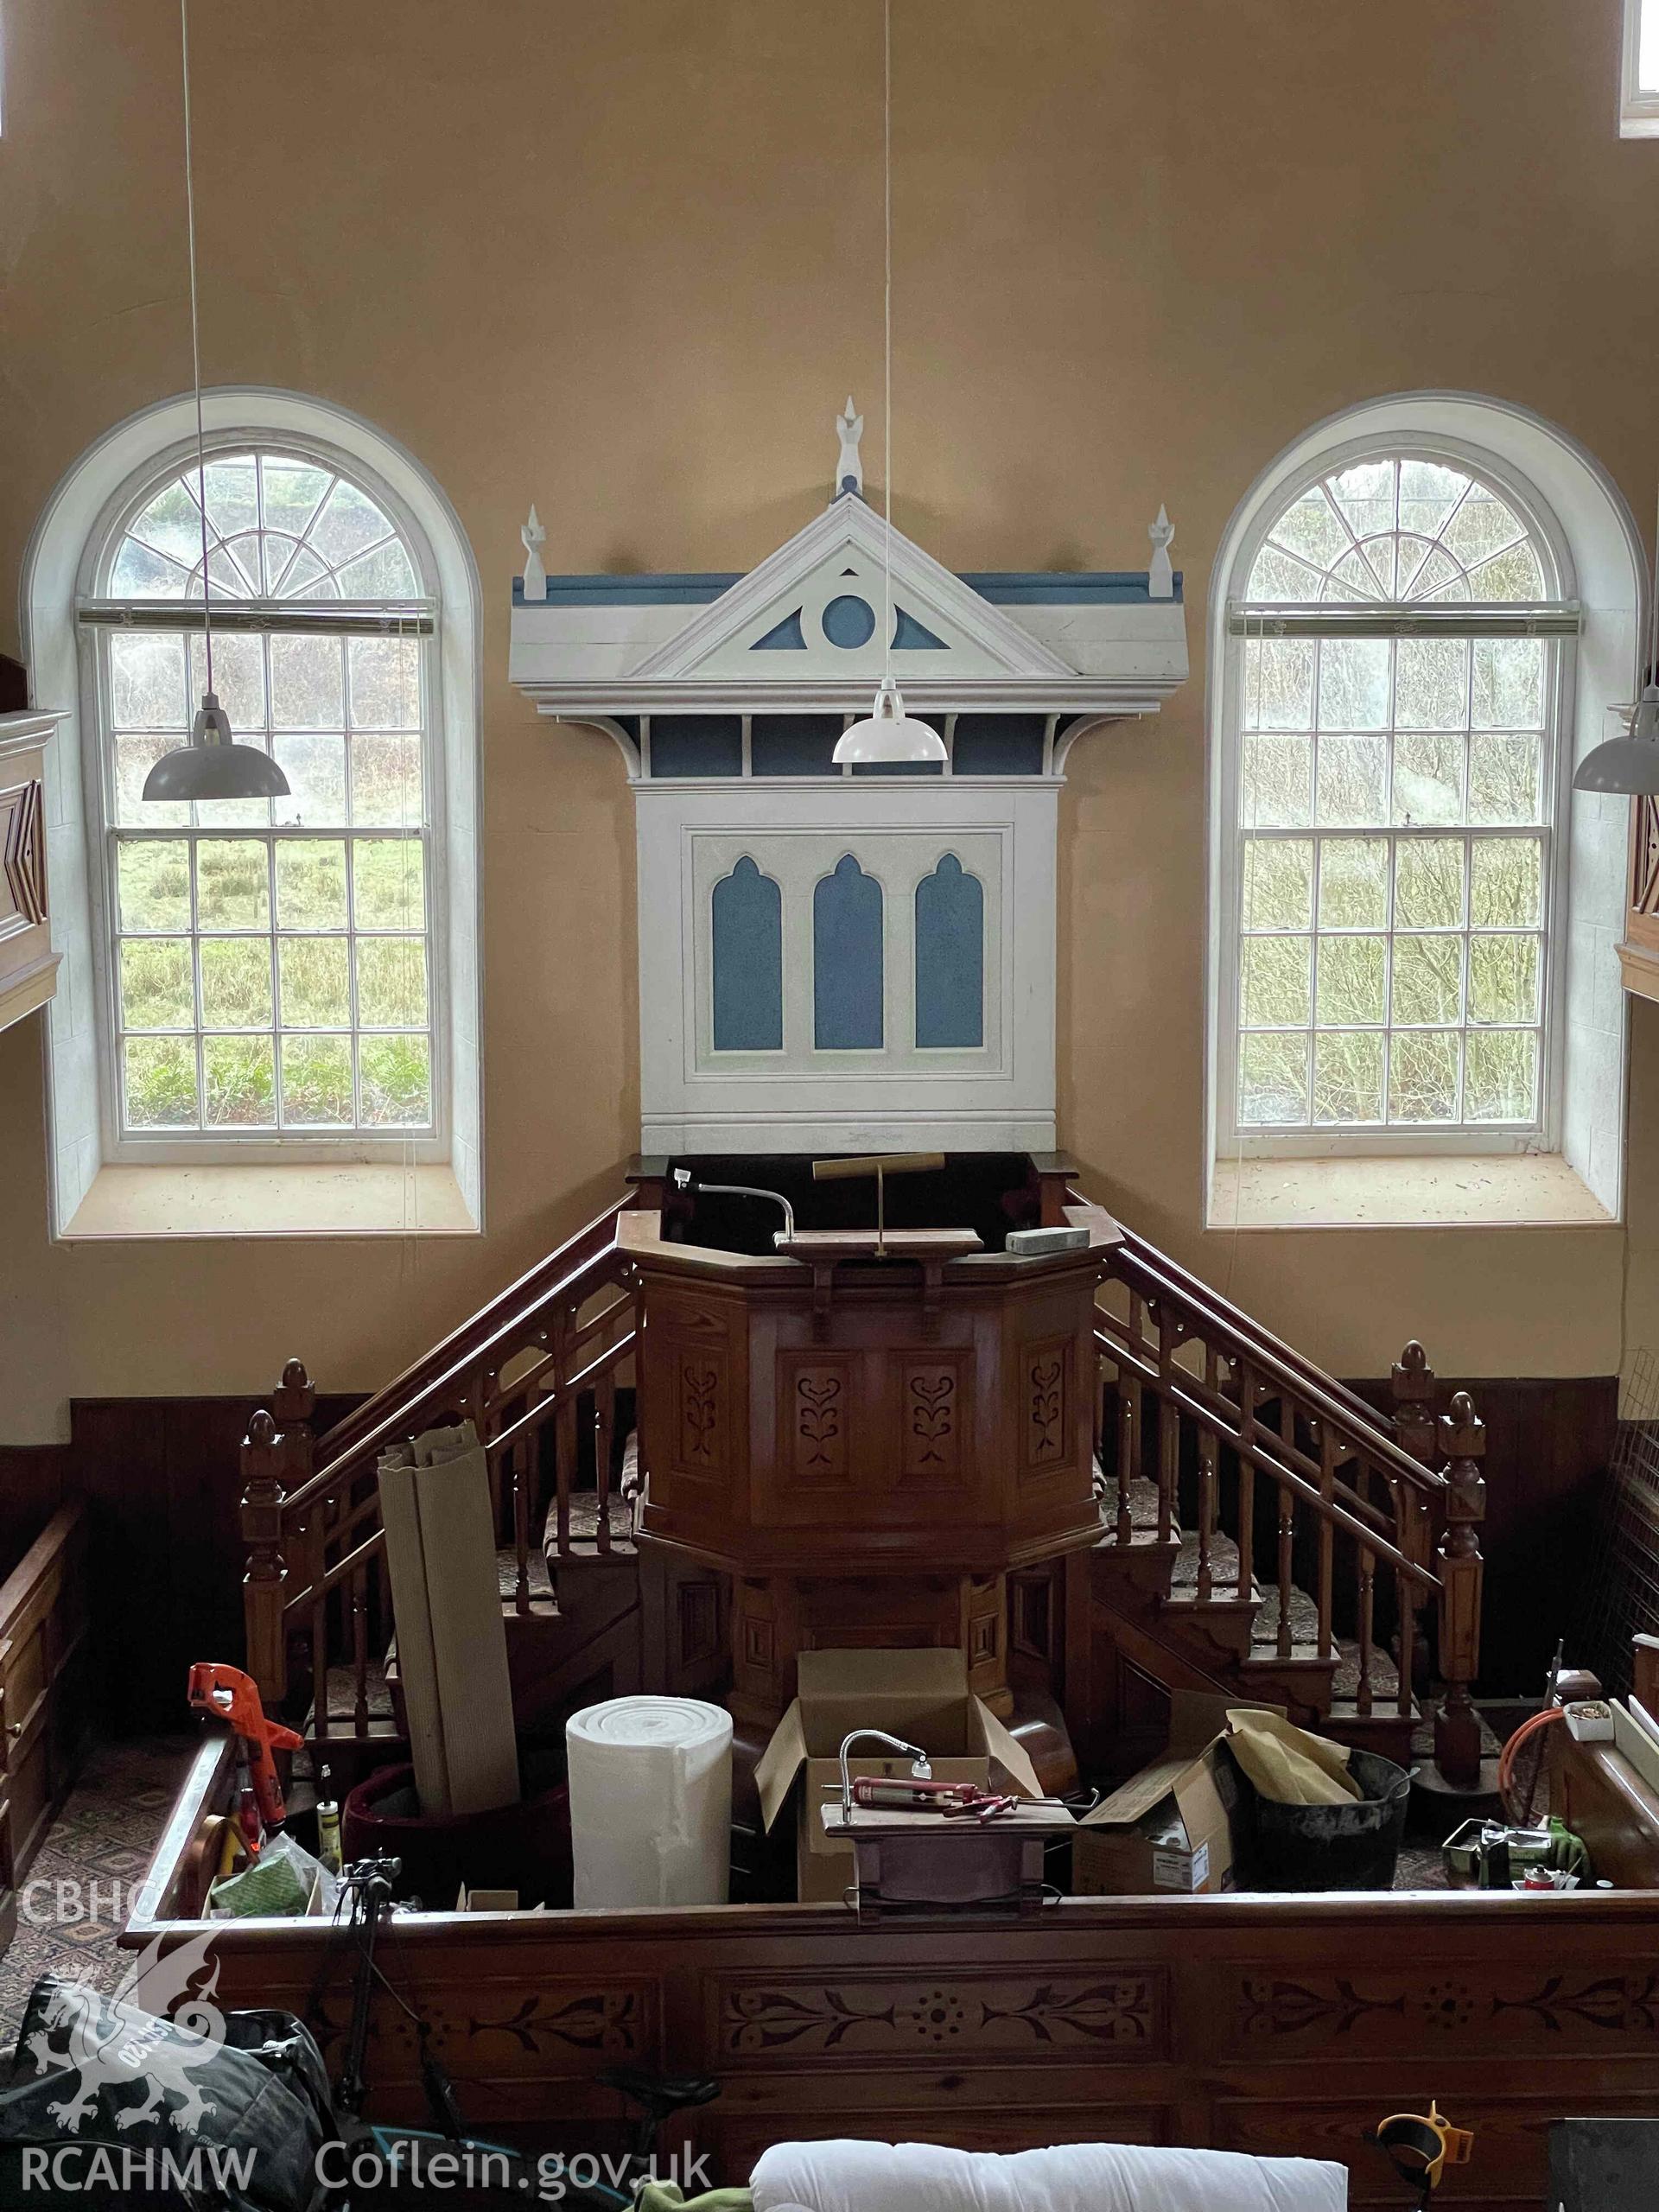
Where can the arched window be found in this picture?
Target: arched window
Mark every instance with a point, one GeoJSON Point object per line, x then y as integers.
{"type": "Point", "coordinates": [1399, 666]}
{"type": "Point", "coordinates": [274, 967]}
{"type": "Point", "coordinates": [291, 984]}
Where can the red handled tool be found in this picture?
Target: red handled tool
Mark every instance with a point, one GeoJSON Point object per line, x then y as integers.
{"type": "Point", "coordinates": [229, 1695]}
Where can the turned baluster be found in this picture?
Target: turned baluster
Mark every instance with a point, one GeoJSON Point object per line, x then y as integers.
{"type": "Point", "coordinates": [322, 1514]}
{"type": "Point", "coordinates": [1462, 1571]}
{"type": "Point", "coordinates": [360, 1654]}
{"type": "Point", "coordinates": [1207, 1467]}
{"type": "Point", "coordinates": [604, 1443]}
{"type": "Point", "coordinates": [1169, 1425]}
{"type": "Point", "coordinates": [565, 1430]}
{"type": "Point", "coordinates": [517, 1475]}
{"type": "Point", "coordinates": [1406, 1594]}
{"type": "Point", "coordinates": [1247, 1396]}
{"type": "Point", "coordinates": [1367, 1601]}
{"type": "Point", "coordinates": [265, 1583]}
{"type": "Point", "coordinates": [1128, 1450]}
{"type": "Point", "coordinates": [1287, 1542]}
{"type": "Point", "coordinates": [1327, 1441]}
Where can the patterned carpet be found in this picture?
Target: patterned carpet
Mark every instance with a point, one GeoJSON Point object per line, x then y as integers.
{"type": "Point", "coordinates": [76, 1896]}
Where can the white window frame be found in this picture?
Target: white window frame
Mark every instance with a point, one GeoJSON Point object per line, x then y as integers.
{"type": "Point", "coordinates": [1638, 104]}
{"type": "Point", "coordinates": [255, 1148]}
{"type": "Point", "coordinates": [75, 525]}
{"type": "Point", "coordinates": [1237, 1141]}
{"type": "Point", "coordinates": [1514, 445]}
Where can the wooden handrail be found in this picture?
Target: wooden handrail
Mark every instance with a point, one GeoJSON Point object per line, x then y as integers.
{"type": "Point", "coordinates": [1202, 1294]}
{"type": "Point", "coordinates": [471, 1336]}
{"type": "Point", "coordinates": [1191, 1402]}
{"type": "Point", "coordinates": [400, 1413]}
{"type": "Point", "coordinates": [1160, 1278]}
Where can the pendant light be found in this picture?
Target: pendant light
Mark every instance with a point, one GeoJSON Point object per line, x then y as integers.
{"type": "Point", "coordinates": [213, 765]}
{"type": "Point", "coordinates": [888, 735]}
{"type": "Point", "coordinates": [1630, 764]}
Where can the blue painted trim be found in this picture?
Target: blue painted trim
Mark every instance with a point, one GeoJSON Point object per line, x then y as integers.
{"type": "Point", "coordinates": [746, 941]}
{"type": "Point", "coordinates": [910, 636]}
{"type": "Point", "coordinates": [783, 637]}
{"type": "Point", "coordinates": [949, 958]}
{"type": "Point", "coordinates": [696, 745]}
{"type": "Point", "coordinates": [793, 745]}
{"type": "Point", "coordinates": [998, 745]}
{"type": "Point", "coordinates": [848, 622]}
{"type": "Point", "coordinates": [631, 591]}
{"type": "Point", "coordinates": [1010, 587]}
{"type": "Point", "coordinates": [847, 960]}
{"type": "Point", "coordinates": [1099, 587]}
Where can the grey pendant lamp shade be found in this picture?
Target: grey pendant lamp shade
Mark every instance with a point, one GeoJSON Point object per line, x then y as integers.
{"type": "Point", "coordinates": [1630, 764]}
{"type": "Point", "coordinates": [213, 765]}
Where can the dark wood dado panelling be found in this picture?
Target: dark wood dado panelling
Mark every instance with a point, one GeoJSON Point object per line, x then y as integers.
{"type": "Point", "coordinates": [1548, 1443]}
{"type": "Point", "coordinates": [162, 1480]}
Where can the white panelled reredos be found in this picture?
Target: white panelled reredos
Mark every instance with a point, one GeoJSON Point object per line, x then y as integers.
{"type": "Point", "coordinates": [884, 972]}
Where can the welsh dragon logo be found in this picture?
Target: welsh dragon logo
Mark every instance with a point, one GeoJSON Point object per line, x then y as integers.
{"type": "Point", "coordinates": [135, 2041]}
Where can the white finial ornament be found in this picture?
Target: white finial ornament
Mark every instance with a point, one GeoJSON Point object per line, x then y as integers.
{"type": "Point", "coordinates": [1160, 577]}
{"type": "Point", "coordinates": [534, 537]}
{"type": "Point", "coordinates": [850, 469]}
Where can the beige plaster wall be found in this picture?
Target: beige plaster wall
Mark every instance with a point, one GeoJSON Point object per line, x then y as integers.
{"type": "Point", "coordinates": [625, 260]}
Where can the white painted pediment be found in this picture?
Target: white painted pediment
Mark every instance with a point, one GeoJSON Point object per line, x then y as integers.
{"type": "Point", "coordinates": [815, 610]}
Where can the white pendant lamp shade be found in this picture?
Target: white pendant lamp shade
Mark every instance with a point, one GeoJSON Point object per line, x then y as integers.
{"type": "Point", "coordinates": [213, 765]}
{"type": "Point", "coordinates": [1628, 764]}
{"type": "Point", "coordinates": [888, 735]}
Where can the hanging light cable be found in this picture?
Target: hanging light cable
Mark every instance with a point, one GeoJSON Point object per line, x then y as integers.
{"type": "Point", "coordinates": [213, 765]}
{"type": "Point", "coordinates": [1630, 764]}
{"type": "Point", "coordinates": [887, 734]}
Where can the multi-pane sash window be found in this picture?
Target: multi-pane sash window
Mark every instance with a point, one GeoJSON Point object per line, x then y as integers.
{"type": "Point", "coordinates": [269, 965]}
{"type": "Point", "coordinates": [1396, 693]}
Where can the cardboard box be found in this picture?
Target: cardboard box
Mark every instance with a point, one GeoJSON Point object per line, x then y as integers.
{"type": "Point", "coordinates": [922, 1696]}
{"type": "Point", "coordinates": [1170, 1828]}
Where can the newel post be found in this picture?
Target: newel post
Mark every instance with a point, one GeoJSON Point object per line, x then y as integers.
{"type": "Point", "coordinates": [265, 1583]}
{"type": "Point", "coordinates": [1412, 1387]}
{"type": "Point", "coordinates": [293, 1404]}
{"type": "Point", "coordinates": [1462, 1570]}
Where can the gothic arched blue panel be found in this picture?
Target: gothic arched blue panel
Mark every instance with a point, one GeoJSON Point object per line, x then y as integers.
{"type": "Point", "coordinates": [748, 961]}
{"type": "Point", "coordinates": [949, 957]}
{"type": "Point", "coordinates": [847, 960]}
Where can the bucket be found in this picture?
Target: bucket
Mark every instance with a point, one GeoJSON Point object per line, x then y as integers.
{"type": "Point", "coordinates": [1355, 1845]}
{"type": "Point", "coordinates": [524, 1847]}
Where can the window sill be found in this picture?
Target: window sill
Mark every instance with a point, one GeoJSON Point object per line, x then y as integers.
{"type": "Point", "coordinates": [1485, 1191]}
{"type": "Point", "coordinates": [354, 1199]}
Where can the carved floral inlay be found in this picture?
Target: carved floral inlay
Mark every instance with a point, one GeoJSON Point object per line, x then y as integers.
{"type": "Point", "coordinates": [818, 1418]}
{"type": "Point", "coordinates": [1046, 1407]}
{"type": "Point", "coordinates": [933, 1415]}
{"type": "Point", "coordinates": [604, 2021]}
{"type": "Point", "coordinates": [699, 1409]}
{"type": "Point", "coordinates": [917, 2016]}
{"type": "Point", "coordinates": [1625, 2005]}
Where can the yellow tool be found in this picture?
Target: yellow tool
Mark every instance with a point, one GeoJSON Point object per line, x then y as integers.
{"type": "Point", "coordinates": [1420, 2146]}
